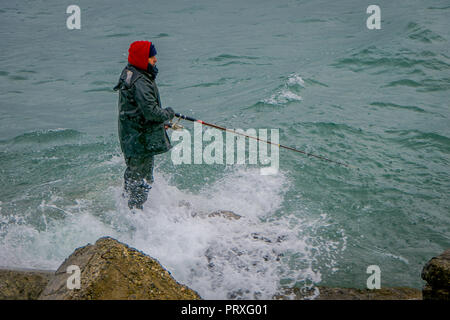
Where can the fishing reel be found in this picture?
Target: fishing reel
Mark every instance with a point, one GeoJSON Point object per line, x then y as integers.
{"type": "Point", "coordinates": [174, 125]}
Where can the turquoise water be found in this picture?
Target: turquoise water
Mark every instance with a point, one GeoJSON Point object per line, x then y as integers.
{"type": "Point", "coordinates": [376, 99]}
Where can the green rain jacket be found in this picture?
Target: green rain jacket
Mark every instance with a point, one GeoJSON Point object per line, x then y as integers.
{"type": "Point", "coordinates": [141, 117]}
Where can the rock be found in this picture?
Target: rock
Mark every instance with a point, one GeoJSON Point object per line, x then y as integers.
{"type": "Point", "coordinates": [23, 284]}
{"type": "Point", "coordinates": [430, 293]}
{"type": "Point", "coordinates": [230, 215]}
{"type": "Point", "coordinates": [437, 275]}
{"type": "Point", "coordinates": [112, 270]}
{"type": "Point", "coordinates": [227, 214]}
{"type": "Point", "coordinates": [325, 293]}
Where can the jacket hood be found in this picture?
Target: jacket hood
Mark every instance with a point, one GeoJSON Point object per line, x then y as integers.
{"type": "Point", "coordinates": [138, 54]}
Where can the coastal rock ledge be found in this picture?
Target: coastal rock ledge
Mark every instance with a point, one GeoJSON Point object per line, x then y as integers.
{"type": "Point", "coordinates": [111, 270]}
{"type": "Point", "coordinates": [23, 284]}
{"type": "Point", "coordinates": [437, 275]}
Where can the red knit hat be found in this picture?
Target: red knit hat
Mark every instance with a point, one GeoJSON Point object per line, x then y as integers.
{"type": "Point", "coordinates": [138, 54]}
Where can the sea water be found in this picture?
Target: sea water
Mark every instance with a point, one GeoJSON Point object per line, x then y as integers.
{"type": "Point", "coordinates": [375, 99]}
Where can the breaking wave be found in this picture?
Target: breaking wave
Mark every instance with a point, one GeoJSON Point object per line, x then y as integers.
{"type": "Point", "coordinates": [288, 92]}
{"type": "Point", "coordinates": [253, 257]}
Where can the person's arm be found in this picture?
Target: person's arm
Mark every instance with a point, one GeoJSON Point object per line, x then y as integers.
{"type": "Point", "coordinates": [146, 99]}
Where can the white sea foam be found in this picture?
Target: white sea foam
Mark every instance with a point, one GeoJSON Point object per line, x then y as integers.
{"type": "Point", "coordinates": [295, 79]}
{"type": "Point", "coordinates": [283, 96]}
{"type": "Point", "coordinates": [217, 257]}
{"type": "Point", "coordinates": [390, 255]}
{"type": "Point", "coordinates": [288, 92]}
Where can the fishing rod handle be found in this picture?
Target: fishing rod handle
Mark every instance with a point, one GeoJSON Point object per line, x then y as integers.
{"type": "Point", "coordinates": [182, 116]}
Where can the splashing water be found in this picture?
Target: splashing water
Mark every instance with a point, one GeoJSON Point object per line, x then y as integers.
{"type": "Point", "coordinates": [288, 92]}
{"type": "Point", "coordinates": [252, 257]}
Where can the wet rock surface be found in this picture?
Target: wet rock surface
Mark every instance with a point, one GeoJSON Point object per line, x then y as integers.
{"type": "Point", "coordinates": [111, 270]}
{"type": "Point", "coordinates": [437, 275]}
{"type": "Point", "coordinates": [23, 284]}
{"type": "Point", "coordinates": [325, 293]}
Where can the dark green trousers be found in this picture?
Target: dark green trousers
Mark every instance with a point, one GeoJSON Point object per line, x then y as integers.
{"type": "Point", "coordinates": [138, 180]}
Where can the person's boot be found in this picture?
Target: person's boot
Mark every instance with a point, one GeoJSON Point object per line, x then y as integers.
{"type": "Point", "coordinates": [138, 195]}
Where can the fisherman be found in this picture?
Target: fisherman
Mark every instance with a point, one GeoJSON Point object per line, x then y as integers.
{"type": "Point", "coordinates": [142, 129]}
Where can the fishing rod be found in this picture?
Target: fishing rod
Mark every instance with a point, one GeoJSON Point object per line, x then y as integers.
{"type": "Point", "coordinates": [182, 116]}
